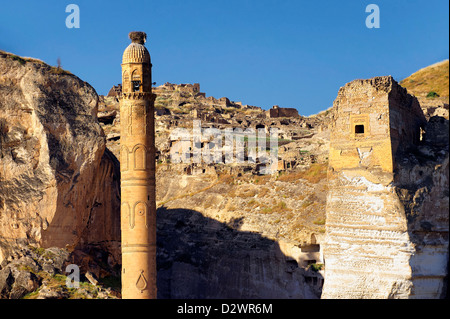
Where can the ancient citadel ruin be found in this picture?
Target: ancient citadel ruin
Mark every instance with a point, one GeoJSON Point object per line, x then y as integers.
{"type": "Point", "coordinates": [357, 209]}
{"type": "Point", "coordinates": [377, 245]}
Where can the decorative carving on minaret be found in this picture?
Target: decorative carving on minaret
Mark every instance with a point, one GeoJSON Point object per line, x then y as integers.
{"type": "Point", "coordinates": [141, 283]}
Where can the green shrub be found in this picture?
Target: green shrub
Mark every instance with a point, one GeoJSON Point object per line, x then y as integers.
{"type": "Point", "coordinates": [316, 267]}
{"type": "Point", "coordinates": [19, 59]}
{"type": "Point", "coordinates": [432, 94]}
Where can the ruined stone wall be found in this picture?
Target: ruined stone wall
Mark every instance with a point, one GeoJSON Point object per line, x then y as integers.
{"type": "Point", "coordinates": [386, 229]}
{"type": "Point", "coordinates": [282, 112]}
{"type": "Point", "coordinates": [189, 88]}
{"type": "Point", "coordinates": [406, 118]}
{"type": "Point", "coordinates": [115, 90]}
{"type": "Point", "coordinates": [360, 131]}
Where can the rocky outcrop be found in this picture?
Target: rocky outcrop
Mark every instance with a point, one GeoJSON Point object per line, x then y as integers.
{"type": "Point", "coordinates": [245, 236]}
{"type": "Point", "coordinates": [58, 186]}
{"type": "Point", "coordinates": [38, 273]}
{"type": "Point", "coordinates": [422, 185]}
{"type": "Point", "coordinates": [21, 275]}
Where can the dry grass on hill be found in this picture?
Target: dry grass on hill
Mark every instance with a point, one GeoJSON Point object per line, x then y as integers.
{"type": "Point", "coordinates": [433, 78]}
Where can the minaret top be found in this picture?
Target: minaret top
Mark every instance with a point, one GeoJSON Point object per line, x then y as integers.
{"type": "Point", "coordinates": [136, 52]}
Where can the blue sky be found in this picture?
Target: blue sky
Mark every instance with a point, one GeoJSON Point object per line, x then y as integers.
{"type": "Point", "coordinates": [293, 53]}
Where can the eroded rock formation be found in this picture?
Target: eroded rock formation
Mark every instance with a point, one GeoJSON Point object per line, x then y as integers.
{"type": "Point", "coordinates": [58, 186]}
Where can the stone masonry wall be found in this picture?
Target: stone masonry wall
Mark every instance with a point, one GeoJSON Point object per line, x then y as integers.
{"type": "Point", "coordinates": [387, 206]}
{"type": "Point", "coordinates": [362, 103]}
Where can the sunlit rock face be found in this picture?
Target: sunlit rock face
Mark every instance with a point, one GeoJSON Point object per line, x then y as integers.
{"type": "Point", "coordinates": [58, 186]}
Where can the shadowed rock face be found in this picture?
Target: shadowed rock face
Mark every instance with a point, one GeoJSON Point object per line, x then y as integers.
{"type": "Point", "coordinates": [199, 257]}
{"type": "Point", "coordinates": [58, 187]}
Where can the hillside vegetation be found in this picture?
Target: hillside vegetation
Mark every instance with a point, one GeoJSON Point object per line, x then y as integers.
{"type": "Point", "coordinates": [433, 78]}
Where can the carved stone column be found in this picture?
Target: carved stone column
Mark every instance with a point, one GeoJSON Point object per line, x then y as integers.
{"type": "Point", "coordinates": [137, 165]}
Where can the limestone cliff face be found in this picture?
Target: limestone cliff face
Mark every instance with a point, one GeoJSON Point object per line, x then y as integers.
{"type": "Point", "coordinates": [387, 206]}
{"type": "Point", "coordinates": [200, 257]}
{"type": "Point", "coordinates": [422, 185]}
{"type": "Point", "coordinates": [57, 184]}
{"type": "Point", "coordinates": [388, 240]}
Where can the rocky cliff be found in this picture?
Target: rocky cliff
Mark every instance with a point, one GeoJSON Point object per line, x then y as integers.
{"type": "Point", "coordinates": [58, 186]}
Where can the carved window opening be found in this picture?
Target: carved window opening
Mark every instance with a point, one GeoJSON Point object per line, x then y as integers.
{"type": "Point", "coordinates": [136, 85]}
{"type": "Point", "coordinates": [135, 81]}
{"type": "Point", "coordinates": [359, 129]}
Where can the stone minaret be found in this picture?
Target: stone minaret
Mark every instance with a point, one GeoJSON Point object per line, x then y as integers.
{"type": "Point", "coordinates": [137, 166]}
